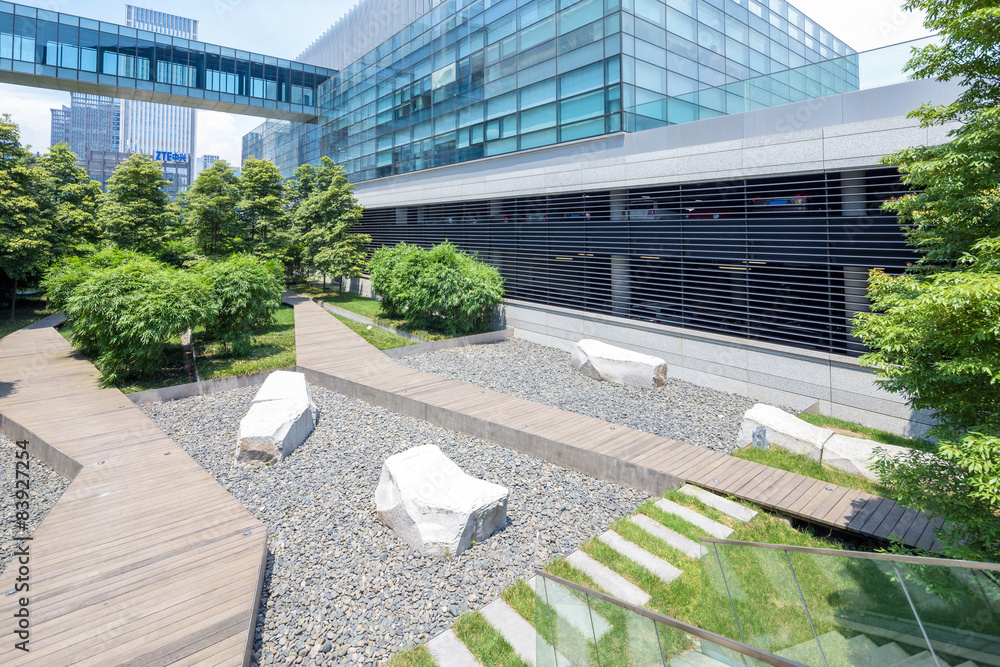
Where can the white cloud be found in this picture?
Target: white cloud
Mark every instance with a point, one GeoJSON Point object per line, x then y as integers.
{"type": "Point", "coordinates": [222, 134]}
{"type": "Point", "coordinates": [865, 24]}
{"type": "Point", "coordinates": [30, 109]}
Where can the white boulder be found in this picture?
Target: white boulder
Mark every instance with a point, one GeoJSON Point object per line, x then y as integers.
{"type": "Point", "coordinates": [783, 430]}
{"type": "Point", "coordinates": [854, 455]}
{"type": "Point", "coordinates": [614, 364]}
{"type": "Point", "coordinates": [280, 419]}
{"type": "Point", "coordinates": [435, 507]}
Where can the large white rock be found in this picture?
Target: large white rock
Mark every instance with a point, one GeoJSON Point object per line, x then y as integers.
{"type": "Point", "coordinates": [783, 430]}
{"type": "Point", "coordinates": [854, 455]}
{"type": "Point", "coordinates": [614, 364]}
{"type": "Point", "coordinates": [280, 419]}
{"type": "Point", "coordinates": [432, 505]}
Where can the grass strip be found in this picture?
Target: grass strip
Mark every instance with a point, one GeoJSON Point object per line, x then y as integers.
{"type": "Point", "coordinates": [805, 466]}
{"type": "Point", "coordinates": [488, 645]}
{"type": "Point", "coordinates": [859, 431]}
{"type": "Point", "coordinates": [379, 338]}
{"type": "Point", "coordinates": [28, 311]}
{"type": "Point", "coordinates": [415, 657]}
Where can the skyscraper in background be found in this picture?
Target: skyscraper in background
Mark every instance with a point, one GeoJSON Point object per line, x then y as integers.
{"type": "Point", "coordinates": [91, 126]}
{"type": "Point", "coordinates": [164, 132]}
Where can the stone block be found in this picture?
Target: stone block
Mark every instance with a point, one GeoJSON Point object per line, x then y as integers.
{"type": "Point", "coordinates": [783, 430]}
{"type": "Point", "coordinates": [614, 364]}
{"type": "Point", "coordinates": [435, 507]}
{"type": "Point", "coordinates": [854, 455]}
{"type": "Point", "coordinates": [280, 419]}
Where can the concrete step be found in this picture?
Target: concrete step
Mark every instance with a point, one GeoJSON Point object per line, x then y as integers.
{"type": "Point", "coordinates": [661, 568]}
{"type": "Point", "coordinates": [519, 634]}
{"type": "Point", "coordinates": [922, 659]}
{"type": "Point", "coordinates": [834, 646]}
{"type": "Point", "coordinates": [891, 654]}
{"type": "Point", "coordinates": [695, 659]}
{"type": "Point", "coordinates": [449, 651]}
{"type": "Point", "coordinates": [713, 528]}
{"type": "Point", "coordinates": [863, 652]}
{"type": "Point", "coordinates": [611, 582]}
{"type": "Point", "coordinates": [673, 538]}
{"type": "Point", "coordinates": [728, 507]}
{"type": "Point", "coordinates": [570, 608]}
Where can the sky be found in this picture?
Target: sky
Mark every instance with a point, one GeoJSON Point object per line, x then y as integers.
{"type": "Point", "coordinates": [286, 27]}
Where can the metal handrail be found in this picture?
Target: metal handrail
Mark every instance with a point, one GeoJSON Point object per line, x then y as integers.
{"type": "Point", "coordinates": [701, 633]}
{"type": "Point", "coordinates": [861, 555]}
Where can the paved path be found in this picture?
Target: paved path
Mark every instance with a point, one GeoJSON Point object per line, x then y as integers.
{"type": "Point", "coordinates": [333, 356]}
{"type": "Point", "coordinates": [145, 560]}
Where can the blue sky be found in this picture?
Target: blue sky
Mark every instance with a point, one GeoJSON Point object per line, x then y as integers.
{"type": "Point", "coordinates": [283, 28]}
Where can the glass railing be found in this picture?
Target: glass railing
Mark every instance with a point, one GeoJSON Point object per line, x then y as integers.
{"type": "Point", "coordinates": [579, 627]}
{"type": "Point", "coordinates": [860, 71]}
{"type": "Point", "coordinates": [827, 607]}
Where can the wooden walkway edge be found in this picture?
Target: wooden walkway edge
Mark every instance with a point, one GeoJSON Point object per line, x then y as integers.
{"type": "Point", "coordinates": [333, 356]}
{"type": "Point", "coordinates": [145, 559]}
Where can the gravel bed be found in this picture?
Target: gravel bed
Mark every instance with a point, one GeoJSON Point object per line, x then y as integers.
{"type": "Point", "coordinates": [678, 410]}
{"type": "Point", "coordinates": [340, 587]}
{"type": "Point", "coordinates": [45, 489]}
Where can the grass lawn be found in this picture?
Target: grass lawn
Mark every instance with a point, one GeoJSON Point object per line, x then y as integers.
{"type": "Point", "coordinates": [370, 308]}
{"type": "Point", "coordinates": [27, 312]}
{"type": "Point", "coordinates": [380, 338]}
{"type": "Point", "coordinates": [858, 431]}
{"type": "Point", "coordinates": [274, 347]}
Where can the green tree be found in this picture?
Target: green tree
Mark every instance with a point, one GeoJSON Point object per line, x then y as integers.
{"type": "Point", "coordinates": [76, 199]}
{"type": "Point", "coordinates": [261, 208]}
{"type": "Point", "coordinates": [934, 332]}
{"type": "Point", "coordinates": [212, 210]}
{"type": "Point", "coordinates": [133, 212]}
{"type": "Point", "coordinates": [323, 221]}
{"type": "Point", "coordinates": [27, 214]}
{"type": "Point", "coordinates": [247, 292]}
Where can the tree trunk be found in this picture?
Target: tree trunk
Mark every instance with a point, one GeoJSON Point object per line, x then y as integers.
{"type": "Point", "coordinates": [13, 300]}
{"type": "Point", "coordinates": [189, 361]}
{"type": "Point", "coordinates": [324, 282]}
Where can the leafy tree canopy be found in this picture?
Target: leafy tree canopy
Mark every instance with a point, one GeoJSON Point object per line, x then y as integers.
{"type": "Point", "coordinates": [133, 211]}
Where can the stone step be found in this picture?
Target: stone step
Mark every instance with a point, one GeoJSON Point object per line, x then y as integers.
{"type": "Point", "coordinates": [695, 659]}
{"type": "Point", "coordinates": [613, 583]}
{"type": "Point", "coordinates": [519, 634]}
{"type": "Point", "coordinates": [449, 651]}
{"type": "Point", "coordinates": [728, 507]}
{"type": "Point", "coordinates": [808, 652]}
{"type": "Point", "coordinates": [922, 659]}
{"type": "Point", "coordinates": [661, 568]}
{"type": "Point", "coordinates": [891, 654]}
{"type": "Point", "coordinates": [570, 608]}
{"type": "Point", "coordinates": [863, 652]}
{"type": "Point", "coordinates": [671, 537]}
{"type": "Point", "coordinates": [713, 528]}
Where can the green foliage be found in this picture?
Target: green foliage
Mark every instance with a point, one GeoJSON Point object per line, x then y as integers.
{"type": "Point", "coordinates": [323, 219]}
{"type": "Point", "coordinates": [76, 198]}
{"type": "Point", "coordinates": [126, 313]}
{"type": "Point", "coordinates": [936, 340]}
{"type": "Point", "coordinates": [246, 292]}
{"type": "Point", "coordinates": [65, 276]}
{"type": "Point", "coordinates": [261, 208]}
{"type": "Point", "coordinates": [133, 211]}
{"type": "Point", "coordinates": [28, 235]}
{"type": "Point", "coordinates": [440, 289]}
{"type": "Point", "coordinates": [393, 270]}
{"type": "Point", "coordinates": [213, 221]}
{"type": "Point", "coordinates": [934, 332]}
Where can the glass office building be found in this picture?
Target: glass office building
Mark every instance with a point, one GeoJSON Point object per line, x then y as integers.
{"type": "Point", "coordinates": [477, 78]}
{"type": "Point", "coordinates": [91, 126]}
{"type": "Point", "coordinates": [161, 130]}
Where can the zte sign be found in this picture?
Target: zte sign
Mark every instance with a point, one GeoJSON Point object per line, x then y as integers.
{"type": "Point", "coordinates": [167, 156]}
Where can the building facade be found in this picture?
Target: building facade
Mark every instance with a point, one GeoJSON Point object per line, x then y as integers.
{"type": "Point", "coordinates": [162, 131]}
{"type": "Point", "coordinates": [91, 126]}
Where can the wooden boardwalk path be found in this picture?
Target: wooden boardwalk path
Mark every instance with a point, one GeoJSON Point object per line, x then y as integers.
{"type": "Point", "coordinates": [332, 355]}
{"type": "Point", "coordinates": [145, 560]}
